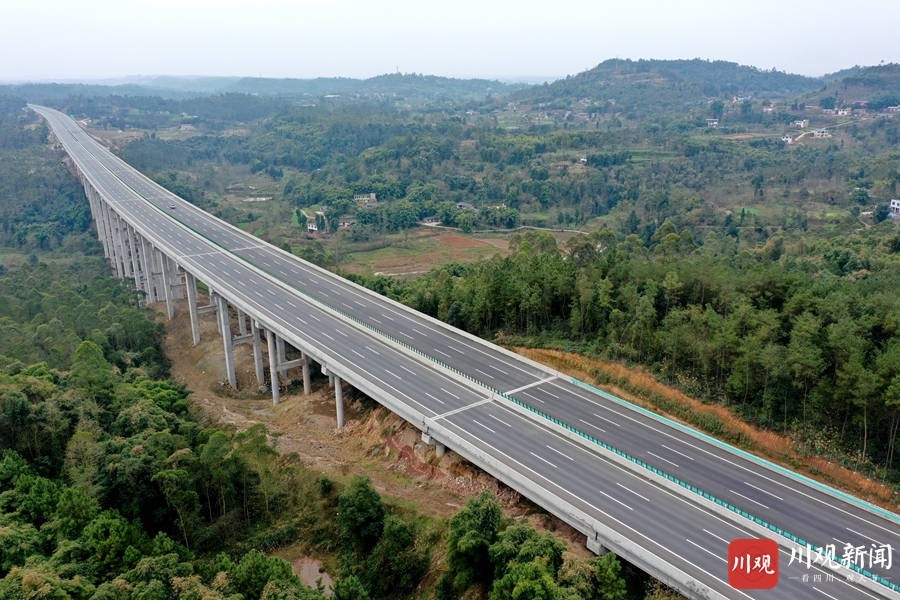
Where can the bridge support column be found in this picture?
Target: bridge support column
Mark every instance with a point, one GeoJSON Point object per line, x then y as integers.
{"type": "Point", "coordinates": [280, 352]}
{"type": "Point", "coordinates": [99, 217]}
{"type": "Point", "coordinates": [439, 448]}
{"type": "Point", "coordinates": [273, 367]}
{"type": "Point", "coordinates": [178, 291]}
{"type": "Point", "coordinates": [257, 352]}
{"type": "Point", "coordinates": [132, 250]}
{"type": "Point", "coordinates": [145, 267]}
{"type": "Point", "coordinates": [123, 246]}
{"type": "Point", "coordinates": [115, 242]}
{"type": "Point", "coordinates": [338, 400]}
{"type": "Point", "coordinates": [594, 545]}
{"type": "Point", "coordinates": [307, 387]}
{"type": "Point", "coordinates": [225, 325]}
{"type": "Point", "coordinates": [242, 322]}
{"type": "Point", "coordinates": [190, 283]}
{"type": "Point", "coordinates": [167, 282]}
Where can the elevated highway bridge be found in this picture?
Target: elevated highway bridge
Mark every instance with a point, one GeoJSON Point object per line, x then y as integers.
{"type": "Point", "coordinates": [659, 494]}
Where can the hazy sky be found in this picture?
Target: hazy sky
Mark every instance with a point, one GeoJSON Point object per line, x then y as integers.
{"type": "Point", "coordinates": [88, 39]}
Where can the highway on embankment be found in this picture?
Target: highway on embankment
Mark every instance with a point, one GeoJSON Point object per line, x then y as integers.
{"type": "Point", "coordinates": [414, 357]}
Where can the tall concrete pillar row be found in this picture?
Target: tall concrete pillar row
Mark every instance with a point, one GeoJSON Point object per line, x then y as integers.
{"type": "Point", "coordinates": [227, 342]}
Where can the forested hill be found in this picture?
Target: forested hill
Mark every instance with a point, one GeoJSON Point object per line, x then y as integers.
{"type": "Point", "coordinates": [666, 86]}
{"type": "Point", "coordinates": [415, 89]}
{"type": "Point", "coordinates": [875, 87]}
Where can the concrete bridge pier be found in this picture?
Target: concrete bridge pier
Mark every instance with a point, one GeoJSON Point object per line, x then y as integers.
{"type": "Point", "coordinates": [143, 250]}
{"type": "Point", "coordinates": [225, 325]}
{"type": "Point", "coordinates": [273, 367]}
{"type": "Point", "coordinates": [335, 382]}
{"type": "Point", "coordinates": [190, 283]}
{"type": "Point", "coordinates": [98, 215]}
{"type": "Point", "coordinates": [339, 401]}
{"type": "Point", "coordinates": [116, 243]}
{"type": "Point", "coordinates": [130, 235]}
{"type": "Point", "coordinates": [162, 260]}
{"type": "Point", "coordinates": [257, 352]}
{"type": "Point", "coordinates": [439, 448]}
{"type": "Point", "coordinates": [122, 247]}
{"type": "Point", "coordinates": [307, 387]}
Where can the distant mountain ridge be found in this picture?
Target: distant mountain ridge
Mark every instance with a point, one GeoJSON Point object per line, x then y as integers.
{"type": "Point", "coordinates": [414, 87]}
{"type": "Point", "coordinates": [653, 86]}
{"type": "Point", "coordinates": [877, 87]}
{"type": "Point", "coordinates": [633, 88]}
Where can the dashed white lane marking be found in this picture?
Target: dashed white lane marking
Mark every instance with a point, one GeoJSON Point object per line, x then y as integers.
{"type": "Point", "coordinates": [748, 498]}
{"type": "Point", "coordinates": [664, 459]}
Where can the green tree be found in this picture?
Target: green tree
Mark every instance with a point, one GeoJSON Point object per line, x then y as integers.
{"type": "Point", "coordinates": [255, 570]}
{"type": "Point", "coordinates": [472, 532]}
{"type": "Point", "coordinates": [349, 588]}
{"type": "Point", "coordinates": [395, 566]}
{"type": "Point", "coordinates": [92, 373]}
{"type": "Point", "coordinates": [525, 581]}
{"type": "Point", "coordinates": [608, 576]}
{"type": "Point", "coordinates": [360, 516]}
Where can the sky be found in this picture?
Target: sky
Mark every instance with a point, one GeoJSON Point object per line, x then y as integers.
{"type": "Point", "coordinates": [62, 40]}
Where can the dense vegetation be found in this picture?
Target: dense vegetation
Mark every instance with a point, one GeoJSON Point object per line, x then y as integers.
{"type": "Point", "coordinates": [110, 489]}
{"type": "Point", "coordinates": [748, 271]}
{"type": "Point", "coordinates": [798, 335]}
{"type": "Point", "coordinates": [724, 259]}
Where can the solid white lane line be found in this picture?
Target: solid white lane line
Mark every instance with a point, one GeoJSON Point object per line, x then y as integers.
{"type": "Point", "coordinates": [560, 452]}
{"type": "Point", "coordinates": [483, 425]}
{"type": "Point", "coordinates": [748, 498]}
{"type": "Point", "coordinates": [677, 452]}
{"type": "Point", "coordinates": [663, 459]}
{"type": "Point", "coordinates": [543, 459]}
{"type": "Point", "coordinates": [627, 489]}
